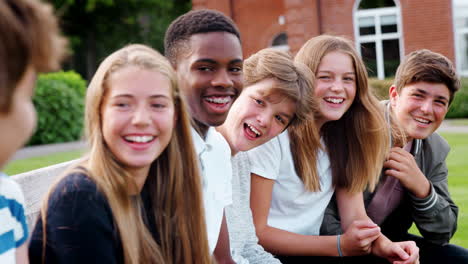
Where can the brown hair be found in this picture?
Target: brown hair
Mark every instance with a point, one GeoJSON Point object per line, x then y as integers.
{"type": "Point", "coordinates": [29, 36]}
{"type": "Point", "coordinates": [358, 142]}
{"type": "Point", "coordinates": [174, 178]}
{"type": "Point", "coordinates": [295, 81]}
{"type": "Point", "coordinates": [427, 66]}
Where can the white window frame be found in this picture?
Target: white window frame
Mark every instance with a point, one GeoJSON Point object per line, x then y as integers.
{"type": "Point", "coordinates": [378, 37]}
{"type": "Point", "coordinates": [458, 34]}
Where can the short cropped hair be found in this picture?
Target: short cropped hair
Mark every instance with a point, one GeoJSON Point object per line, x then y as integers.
{"type": "Point", "coordinates": [29, 36]}
{"type": "Point", "coordinates": [294, 80]}
{"type": "Point", "coordinates": [194, 22]}
{"type": "Point", "coordinates": [427, 66]}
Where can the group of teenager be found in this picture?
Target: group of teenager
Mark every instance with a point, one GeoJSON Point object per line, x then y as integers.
{"type": "Point", "coordinates": [200, 156]}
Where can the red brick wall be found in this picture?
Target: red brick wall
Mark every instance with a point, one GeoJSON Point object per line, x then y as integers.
{"type": "Point", "coordinates": [302, 22]}
{"type": "Point", "coordinates": [257, 20]}
{"type": "Point", "coordinates": [428, 24]}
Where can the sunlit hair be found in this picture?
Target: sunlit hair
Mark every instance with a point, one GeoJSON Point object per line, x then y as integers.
{"type": "Point", "coordinates": [427, 66]}
{"type": "Point", "coordinates": [29, 36]}
{"type": "Point", "coordinates": [358, 142]}
{"type": "Point", "coordinates": [294, 80]}
{"type": "Point", "coordinates": [173, 181]}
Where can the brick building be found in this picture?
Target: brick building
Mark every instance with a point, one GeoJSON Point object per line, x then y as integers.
{"type": "Point", "coordinates": [383, 30]}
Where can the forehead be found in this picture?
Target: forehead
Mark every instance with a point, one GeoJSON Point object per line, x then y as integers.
{"type": "Point", "coordinates": [269, 89]}
{"type": "Point", "coordinates": [438, 90]}
{"type": "Point", "coordinates": [336, 61]}
{"type": "Point", "coordinates": [135, 80]}
{"type": "Point", "coordinates": [217, 46]}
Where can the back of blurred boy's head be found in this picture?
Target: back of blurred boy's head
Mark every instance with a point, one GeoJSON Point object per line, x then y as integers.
{"type": "Point", "coordinates": [427, 66]}
{"type": "Point", "coordinates": [29, 37]}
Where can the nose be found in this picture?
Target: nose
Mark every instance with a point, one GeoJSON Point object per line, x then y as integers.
{"type": "Point", "coordinates": [264, 118]}
{"type": "Point", "coordinates": [141, 116]}
{"type": "Point", "coordinates": [426, 106]}
{"type": "Point", "coordinates": [337, 85]}
{"type": "Point", "coordinates": [222, 79]}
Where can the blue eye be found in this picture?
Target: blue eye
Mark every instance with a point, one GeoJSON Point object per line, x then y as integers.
{"type": "Point", "coordinates": [280, 119]}
{"type": "Point", "coordinates": [258, 101]}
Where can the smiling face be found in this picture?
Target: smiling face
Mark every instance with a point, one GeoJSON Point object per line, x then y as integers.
{"type": "Point", "coordinates": [19, 123]}
{"type": "Point", "coordinates": [256, 117]}
{"type": "Point", "coordinates": [420, 107]}
{"type": "Point", "coordinates": [210, 76]}
{"type": "Point", "coordinates": [138, 116]}
{"type": "Point", "coordinates": [335, 86]}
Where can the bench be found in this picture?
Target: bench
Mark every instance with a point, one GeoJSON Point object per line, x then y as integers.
{"type": "Point", "coordinates": [35, 185]}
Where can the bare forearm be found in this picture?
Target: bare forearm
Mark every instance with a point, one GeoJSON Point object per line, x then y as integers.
{"type": "Point", "coordinates": [281, 242]}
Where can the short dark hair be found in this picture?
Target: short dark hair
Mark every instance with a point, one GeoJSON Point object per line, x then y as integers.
{"type": "Point", "coordinates": [427, 66]}
{"type": "Point", "coordinates": [191, 23]}
{"type": "Point", "coordinates": [29, 36]}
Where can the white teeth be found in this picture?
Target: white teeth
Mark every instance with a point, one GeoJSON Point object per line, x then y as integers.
{"type": "Point", "coordinates": [334, 100]}
{"type": "Point", "coordinates": [139, 139]}
{"type": "Point", "coordinates": [218, 100]}
{"type": "Point", "coordinates": [422, 120]}
{"type": "Point", "coordinates": [254, 130]}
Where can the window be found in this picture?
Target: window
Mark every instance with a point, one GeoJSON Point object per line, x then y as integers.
{"type": "Point", "coordinates": [280, 42]}
{"type": "Point", "coordinates": [377, 29]}
{"type": "Point", "coordinates": [460, 16]}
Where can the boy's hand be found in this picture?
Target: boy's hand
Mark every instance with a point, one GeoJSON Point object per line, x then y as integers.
{"type": "Point", "coordinates": [358, 238]}
{"type": "Point", "coordinates": [402, 165]}
{"type": "Point", "coordinates": [405, 252]}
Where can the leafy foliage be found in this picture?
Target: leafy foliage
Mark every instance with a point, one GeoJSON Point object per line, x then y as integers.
{"type": "Point", "coordinates": [96, 28]}
{"type": "Point", "coordinates": [59, 101]}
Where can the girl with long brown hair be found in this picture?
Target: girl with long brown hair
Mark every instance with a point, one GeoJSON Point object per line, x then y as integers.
{"type": "Point", "coordinates": [294, 175]}
{"type": "Point", "coordinates": [136, 126]}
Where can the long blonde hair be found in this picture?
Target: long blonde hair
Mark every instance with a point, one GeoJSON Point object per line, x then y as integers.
{"type": "Point", "coordinates": [173, 180]}
{"type": "Point", "coordinates": [358, 142]}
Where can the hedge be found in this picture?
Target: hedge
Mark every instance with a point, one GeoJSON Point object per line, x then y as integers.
{"type": "Point", "coordinates": [59, 102]}
{"type": "Point", "coordinates": [458, 108]}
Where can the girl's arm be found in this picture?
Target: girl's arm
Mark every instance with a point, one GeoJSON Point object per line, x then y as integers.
{"type": "Point", "coordinates": [352, 212]}
{"type": "Point", "coordinates": [281, 242]}
{"type": "Point", "coordinates": [22, 254]}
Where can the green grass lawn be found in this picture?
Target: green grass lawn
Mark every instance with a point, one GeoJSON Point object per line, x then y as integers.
{"type": "Point", "coordinates": [456, 161]}
{"type": "Point", "coordinates": [19, 166]}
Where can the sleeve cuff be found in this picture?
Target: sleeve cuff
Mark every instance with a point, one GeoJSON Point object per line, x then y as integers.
{"type": "Point", "coordinates": [424, 204]}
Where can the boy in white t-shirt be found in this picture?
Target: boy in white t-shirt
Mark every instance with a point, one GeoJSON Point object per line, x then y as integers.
{"type": "Point", "coordinates": [29, 43]}
{"type": "Point", "coordinates": [205, 49]}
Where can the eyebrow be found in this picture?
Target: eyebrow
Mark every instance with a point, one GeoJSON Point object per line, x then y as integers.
{"type": "Point", "coordinates": [440, 97]}
{"type": "Point", "coordinates": [211, 61]}
{"type": "Point", "coordinates": [131, 96]}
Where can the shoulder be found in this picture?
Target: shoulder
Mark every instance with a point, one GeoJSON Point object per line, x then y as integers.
{"type": "Point", "coordinates": [435, 145]}
{"type": "Point", "coordinates": [10, 190]}
{"type": "Point", "coordinates": [76, 188]}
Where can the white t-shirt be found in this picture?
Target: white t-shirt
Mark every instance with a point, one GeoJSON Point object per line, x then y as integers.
{"type": "Point", "coordinates": [293, 208]}
{"type": "Point", "coordinates": [13, 226]}
{"type": "Point", "coordinates": [214, 156]}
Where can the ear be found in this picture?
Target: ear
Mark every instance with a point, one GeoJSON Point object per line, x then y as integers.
{"type": "Point", "coordinates": [393, 95]}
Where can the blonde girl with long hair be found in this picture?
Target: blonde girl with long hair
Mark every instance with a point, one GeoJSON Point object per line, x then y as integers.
{"type": "Point", "coordinates": [140, 147]}
{"type": "Point", "coordinates": [294, 175]}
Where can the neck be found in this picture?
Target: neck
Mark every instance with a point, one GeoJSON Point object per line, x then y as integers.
{"type": "Point", "coordinates": [139, 176]}
{"type": "Point", "coordinates": [201, 128]}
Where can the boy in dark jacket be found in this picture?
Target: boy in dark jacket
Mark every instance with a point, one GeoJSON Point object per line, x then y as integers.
{"type": "Point", "coordinates": [413, 186]}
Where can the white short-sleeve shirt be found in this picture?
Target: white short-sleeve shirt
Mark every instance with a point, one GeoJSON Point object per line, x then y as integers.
{"type": "Point", "coordinates": [13, 226]}
{"type": "Point", "coordinates": [293, 208]}
{"type": "Point", "coordinates": [214, 156]}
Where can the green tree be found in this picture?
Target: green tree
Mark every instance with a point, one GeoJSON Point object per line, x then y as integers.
{"type": "Point", "coordinates": [96, 28]}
